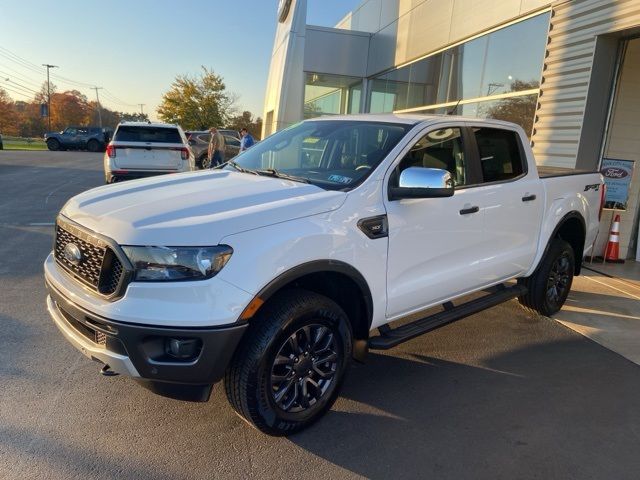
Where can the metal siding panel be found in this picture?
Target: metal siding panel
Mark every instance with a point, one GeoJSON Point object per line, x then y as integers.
{"type": "Point", "coordinates": [568, 63]}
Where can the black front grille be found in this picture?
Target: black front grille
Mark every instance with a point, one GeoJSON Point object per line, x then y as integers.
{"type": "Point", "coordinates": [99, 268]}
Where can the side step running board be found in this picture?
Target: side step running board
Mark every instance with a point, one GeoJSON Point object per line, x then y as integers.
{"type": "Point", "coordinates": [389, 338]}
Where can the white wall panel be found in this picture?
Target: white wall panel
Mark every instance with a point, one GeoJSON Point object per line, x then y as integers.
{"type": "Point", "coordinates": [348, 51]}
{"type": "Point", "coordinates": [575, 26]}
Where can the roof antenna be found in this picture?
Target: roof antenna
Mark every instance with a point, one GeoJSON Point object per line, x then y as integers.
{"type": "Point", "coordinates": [453, 110]}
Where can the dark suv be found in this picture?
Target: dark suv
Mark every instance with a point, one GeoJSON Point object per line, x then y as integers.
{"type": "Point", "coordinates": [94, 139]}
{"type": "Point", "coordinates": [199, 144]}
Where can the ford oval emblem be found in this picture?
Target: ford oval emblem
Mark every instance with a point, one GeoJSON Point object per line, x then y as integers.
{"type": "Point", "coordinates": [72, 253]}
{"type": "Point", "coordinates": [613, 172]}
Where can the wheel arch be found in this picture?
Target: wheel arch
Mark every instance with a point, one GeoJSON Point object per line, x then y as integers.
{"type": "Point", "coordinates": [334, 279]}
{"type": "Point", "coordinates": [572, 228]}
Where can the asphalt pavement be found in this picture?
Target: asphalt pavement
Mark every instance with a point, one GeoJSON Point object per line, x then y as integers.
{"type": "Point", "coordinates": [499, 395]}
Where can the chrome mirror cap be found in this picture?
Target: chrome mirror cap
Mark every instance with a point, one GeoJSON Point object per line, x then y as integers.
{"type": "Point", "coordinates": [418, 177]}
{"type": "Point", "coordinates": [419, 182]}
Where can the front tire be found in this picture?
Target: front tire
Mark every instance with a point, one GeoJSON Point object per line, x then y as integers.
{"type": "Point", "coordinates": [288, 370]}
{"type": "Point", "coordinates": [550, 284]}
{"type": "Point", "coordinates": [53, 144]}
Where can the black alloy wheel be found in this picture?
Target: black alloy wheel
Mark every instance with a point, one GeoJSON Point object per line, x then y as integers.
{"type": "Point", "coordinates": [559, 279]}
{"type": "Point", "coordinates": [304, 368]}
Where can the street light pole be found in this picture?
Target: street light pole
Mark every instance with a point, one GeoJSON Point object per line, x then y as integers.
{"type": "Point", "coordinates": [141, 105]}
{"type": "Point", "coordinates": [49, 92]}
{"type": "Point", "coordinates": [98, 102]}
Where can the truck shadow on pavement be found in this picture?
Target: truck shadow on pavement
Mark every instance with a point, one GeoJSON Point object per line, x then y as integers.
{"type": "Point", "coordinates": [552, 410]}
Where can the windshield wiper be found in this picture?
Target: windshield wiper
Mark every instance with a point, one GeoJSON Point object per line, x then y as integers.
{"type": "Point", "coordinates": [272, 172]}
{"type": "Point", "coordinates": [240, 168]}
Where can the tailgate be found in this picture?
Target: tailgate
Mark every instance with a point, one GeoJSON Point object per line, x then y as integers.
{"type": "Point", "coordinates": [140, 156]}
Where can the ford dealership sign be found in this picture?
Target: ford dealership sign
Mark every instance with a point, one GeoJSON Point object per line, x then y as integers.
{"type": "Point", "coordinates": [617, 176]}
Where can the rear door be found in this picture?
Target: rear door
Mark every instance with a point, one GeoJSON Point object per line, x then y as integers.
{"type": "Point", "coordinates": [69, 137]}
{"type": "Point", "coordinates": [148, 148]}
{"type": "Point", "coordinates": [513, 200]}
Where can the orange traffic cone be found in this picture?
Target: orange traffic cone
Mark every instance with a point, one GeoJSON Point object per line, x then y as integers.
{"type": "Point", "coordinates": [612, 251]}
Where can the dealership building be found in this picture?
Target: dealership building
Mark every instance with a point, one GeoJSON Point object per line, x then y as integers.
{"type": "Point", "coordinates": [567, 71]}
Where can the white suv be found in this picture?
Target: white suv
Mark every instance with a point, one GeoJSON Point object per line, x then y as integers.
{"type": "Point", "coordinates": [145, 149]}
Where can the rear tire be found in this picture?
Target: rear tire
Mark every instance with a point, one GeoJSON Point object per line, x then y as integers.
{"type": "Point", "coordinates": [550, 284]}
{"type": "Point", "coordinates": [93, 146]}
{"type": "Point", "coordinates": [53, 144]}
{"type": "Point", "coordinates": [288, 370]}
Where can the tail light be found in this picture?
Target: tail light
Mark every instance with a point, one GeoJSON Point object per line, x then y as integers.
{"type": "Point", "coordinates": [184, 153]}
{"type": "Point", "coordinates": [111, 151]}
{"type": "Point", "coordinates": [603, 194]}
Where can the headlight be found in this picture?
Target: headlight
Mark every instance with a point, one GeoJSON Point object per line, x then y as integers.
{"type": "Point", "coordinates": [165, 264]}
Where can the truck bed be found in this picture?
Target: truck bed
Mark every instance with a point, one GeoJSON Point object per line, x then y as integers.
{"type": "Point", "coordinates": [547, 172]}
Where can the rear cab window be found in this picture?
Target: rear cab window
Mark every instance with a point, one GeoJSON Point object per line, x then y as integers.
{"type": "Point", "coordinates": [131, 133]}
{"type": "Point", "coordinates": [501, 154]}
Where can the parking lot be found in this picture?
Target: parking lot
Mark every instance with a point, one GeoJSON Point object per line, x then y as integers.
{"type": "Point", "coordinates": [502, 394]}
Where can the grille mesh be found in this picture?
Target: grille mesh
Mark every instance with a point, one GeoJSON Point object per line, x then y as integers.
{"type": "Point", "coordinates": [99, 269]}
{"type": "Point", "coordinates": [88, 269]}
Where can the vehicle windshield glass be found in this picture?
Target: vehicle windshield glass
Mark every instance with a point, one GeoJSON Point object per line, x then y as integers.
{"type": "Point", "coordinates": [147, 134]}
{"type": "Point", "coordinates": [333, 154]}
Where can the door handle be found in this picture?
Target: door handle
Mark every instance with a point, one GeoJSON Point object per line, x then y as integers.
{"type": "Point", "coordinates": [528, 198]}
{"type": "Point", "coordinates": [467, 211]}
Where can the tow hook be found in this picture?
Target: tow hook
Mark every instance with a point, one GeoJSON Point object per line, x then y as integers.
{"type": "Point", "coordinates": [107, 372]}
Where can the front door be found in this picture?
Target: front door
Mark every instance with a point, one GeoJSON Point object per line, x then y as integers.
{"type": "Point", "coordinates": [433, 242]}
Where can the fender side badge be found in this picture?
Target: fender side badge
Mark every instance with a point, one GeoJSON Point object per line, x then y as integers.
{"type": "Point", "coordinates": [374, 227]}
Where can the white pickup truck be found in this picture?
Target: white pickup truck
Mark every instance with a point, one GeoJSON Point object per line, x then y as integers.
{"type": "Point", "coordinates": [276, 270]}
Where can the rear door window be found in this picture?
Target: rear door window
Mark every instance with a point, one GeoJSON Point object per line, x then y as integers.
{"type": "Point", "coordinates": [148, 135]}
{"type": "Point", "coordinates": [500, 154]}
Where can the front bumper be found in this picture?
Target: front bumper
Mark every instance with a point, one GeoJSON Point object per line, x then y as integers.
{"type": "Point", "coordinates": [139, 350]}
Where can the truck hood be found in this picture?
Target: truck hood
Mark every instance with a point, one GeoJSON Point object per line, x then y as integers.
{"type": "Point", "coordinates": [195, 209]}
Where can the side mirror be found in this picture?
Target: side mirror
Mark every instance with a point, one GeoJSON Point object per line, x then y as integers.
{"type": "Point", "coordinates": [419, 182]}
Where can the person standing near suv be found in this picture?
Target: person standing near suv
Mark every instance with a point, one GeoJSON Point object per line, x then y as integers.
{"type": "Point", "coordinates": [247, 140]}
{"type": "Point", "coordinates": [216, 148]}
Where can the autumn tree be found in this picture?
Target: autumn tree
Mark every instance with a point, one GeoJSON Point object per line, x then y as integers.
{"type": "Point", "coordinates": [520, 110]}
{"type": "Point", "coordinates": [8, 114]}
{"type": "Point", "coordinates": [197, 102]}
{"type": "Point", "coordinates": [69, 108]}
{"type": "Point", "coordinates": [248, 121]}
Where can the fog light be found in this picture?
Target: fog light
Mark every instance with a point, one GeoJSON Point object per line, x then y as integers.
{"type": "Point", "coordinates": [183, 348]}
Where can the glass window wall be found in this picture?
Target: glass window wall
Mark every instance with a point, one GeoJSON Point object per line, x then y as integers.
{"type": "Point", "coordinates": [505, 61]}
{"type": "Point", "coordinates": [331, 95]}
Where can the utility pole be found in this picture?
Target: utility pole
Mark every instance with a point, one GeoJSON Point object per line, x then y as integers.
{"type": "Point", "coordinates": [141, 105]}
{"type": "Point", "coordinates": [49, 92]}
{"type": "Point", "coordinates": [98, 101]}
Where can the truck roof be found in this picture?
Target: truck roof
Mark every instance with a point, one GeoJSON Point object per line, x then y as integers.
{"type": "Point", "coordinates": [414, 118]}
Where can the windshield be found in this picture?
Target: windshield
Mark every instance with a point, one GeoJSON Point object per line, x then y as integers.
{"type": "Point", "coordinates": [333, 154]}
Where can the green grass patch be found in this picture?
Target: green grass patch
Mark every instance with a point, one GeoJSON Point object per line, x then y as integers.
{"type": "Point", "coordinates": [17, 143]}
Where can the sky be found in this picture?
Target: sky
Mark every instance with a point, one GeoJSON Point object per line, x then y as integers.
{"type": "Point", "coordinates": [135, 48]}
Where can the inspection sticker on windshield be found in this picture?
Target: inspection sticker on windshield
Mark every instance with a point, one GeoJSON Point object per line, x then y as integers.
{"type": "Point", "coordinates": [340, 179]}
